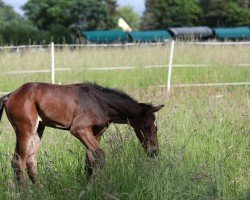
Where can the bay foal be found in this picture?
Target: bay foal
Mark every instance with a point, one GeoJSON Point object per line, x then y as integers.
{"type": "Point", "coordinates": [85, 109]}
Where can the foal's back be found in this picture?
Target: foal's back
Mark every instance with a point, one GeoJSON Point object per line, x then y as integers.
{"type": "Point", "coordinates": [52, 104]}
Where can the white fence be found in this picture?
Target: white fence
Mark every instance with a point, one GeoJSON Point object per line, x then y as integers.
{"type": "Point", "coordinates": [53, 70]}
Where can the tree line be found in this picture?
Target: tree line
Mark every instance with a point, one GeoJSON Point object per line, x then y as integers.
{"type": "Point", "coordinates": [63, 20]}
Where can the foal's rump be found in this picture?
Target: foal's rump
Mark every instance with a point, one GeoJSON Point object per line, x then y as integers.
{"type": "Point", "coordinates": [52, 104]}
{"type": "Point", "coordinates": [2, 104]}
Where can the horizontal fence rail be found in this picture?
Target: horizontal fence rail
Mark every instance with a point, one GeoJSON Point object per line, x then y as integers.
{"type": "Point", "coordinates": [206, 84]}
{"type": "Point", "coordinates": [216, 43]}
{"type": "Point", "coordinates": [122, 45]}
{"type": "Point", "coordinates": [83, 45]}
{"type": "Point", "coordinates": [118, 68]}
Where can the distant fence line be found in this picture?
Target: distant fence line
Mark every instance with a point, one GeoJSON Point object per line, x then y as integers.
{"type": "Point", "coordinates": [122, 45]}
{"type": "Point", "coordinates": [52, 69]}
{"type": "Point", "coordinates": [216, 43]}
{"type": "Point", "coordinates": [85, 45]}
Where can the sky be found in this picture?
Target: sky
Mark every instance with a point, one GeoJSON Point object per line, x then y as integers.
{"type": "Point", "coordinates": [138, 5]}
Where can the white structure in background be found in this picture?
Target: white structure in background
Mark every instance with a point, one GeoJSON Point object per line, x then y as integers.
{"type": "Point", "coordinates": [124, 25]}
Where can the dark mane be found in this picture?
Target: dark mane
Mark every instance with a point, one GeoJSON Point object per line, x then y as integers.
{"type": "Point", "coordinates": [107, 90]}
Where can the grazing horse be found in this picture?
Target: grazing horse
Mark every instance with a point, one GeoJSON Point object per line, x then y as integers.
{"type": "Point", "coordinates": [85, 109]}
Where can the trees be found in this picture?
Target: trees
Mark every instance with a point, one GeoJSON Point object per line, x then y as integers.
{"type": "Point", "coordinates": [161, 14]}
{"type": "Point", "coordinates": [112, 7]}
{"type": "Point", "coordinates": [22, 32]}
{"type": "Point", "coordinates": [84, 14]}
{"type": "Point", "coordinates": [60, 17]}
{"type": "Point", "coordinates": [13, 28]}
{"type": "Point", "coordinates": [236, 15]}
{"type": "Point", "coordinates": [7, 14]}
{"type": "Point", "coordinates": [55, 19]}
{"type": "Point", "coordinates": [226, 13]}
{"type": "Point", "coordinates": [165, 13]}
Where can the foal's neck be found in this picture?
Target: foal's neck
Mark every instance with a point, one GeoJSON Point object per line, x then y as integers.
{"type": "Point", "coordinates": [123, 110]}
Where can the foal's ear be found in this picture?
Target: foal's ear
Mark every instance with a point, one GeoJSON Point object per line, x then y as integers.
{"type": "Point", "coordinates": [157, 108]}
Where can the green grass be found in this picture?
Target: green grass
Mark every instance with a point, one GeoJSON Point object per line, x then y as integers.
{"type": "Point", "coordinates": [204, 143]}
{"type": "Point", "coordinates": [135, 78]}
{"type": "Point", "coordinates": [203, 132]}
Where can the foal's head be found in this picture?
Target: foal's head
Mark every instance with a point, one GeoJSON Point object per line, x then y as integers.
{"type": "Point", "coordinates": [145, 128]}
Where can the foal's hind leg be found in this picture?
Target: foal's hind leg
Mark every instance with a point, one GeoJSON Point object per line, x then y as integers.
{"type": "Point", "coordinates": [21, 153]}
{"type": "Point", "coordinates": [31, 161]}
{"type": "Point", "coordinates": [25, 130]}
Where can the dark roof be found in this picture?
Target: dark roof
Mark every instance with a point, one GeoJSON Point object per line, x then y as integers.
{"type": "Point", "coordinates": [199, 32]}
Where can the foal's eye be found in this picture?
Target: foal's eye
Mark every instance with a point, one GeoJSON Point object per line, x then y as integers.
{"type": "Point", "coordinates": [147, 129]}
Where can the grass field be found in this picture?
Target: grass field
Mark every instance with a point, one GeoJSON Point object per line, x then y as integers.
{"type": "Point", "coordinates": [223, 58]}
{"type": "Point", "coordinates": [203, 132]}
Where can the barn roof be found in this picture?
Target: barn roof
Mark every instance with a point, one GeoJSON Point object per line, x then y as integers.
{"type": "Point", "coordinates": [232, 33]}
{"type": "Point", "coordinates": [200, 32]}
{"type": "Point", "coordinates": [149, 36]}
{"type": "Point", "coordinates": [109, 36]}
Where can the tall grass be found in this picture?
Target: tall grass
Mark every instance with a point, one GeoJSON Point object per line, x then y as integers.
{"type": "Point", "coordinates": [204, 143]}
{"type": "Point", "coordinates": [203, 133]}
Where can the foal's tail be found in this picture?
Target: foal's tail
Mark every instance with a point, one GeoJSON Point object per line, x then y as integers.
{"type": "Point", "coordinates": [2, 104]}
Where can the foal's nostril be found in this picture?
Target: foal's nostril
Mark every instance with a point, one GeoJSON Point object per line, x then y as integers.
{"type": "Point", "coordinates": [152, 152]}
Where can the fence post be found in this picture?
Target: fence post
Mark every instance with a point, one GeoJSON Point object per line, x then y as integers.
{"type": "Point", "coordinates": [52, 63]}
{"type": "Point", "coordinates": [170, 66]}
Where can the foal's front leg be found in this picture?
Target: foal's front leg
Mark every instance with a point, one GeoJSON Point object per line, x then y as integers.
{"type": "Point", "coordinates": [95, 155]}
{"type": "Point", "coordinates": [94, 163]}
{"type": "Point", "coordinates": [89, 161]}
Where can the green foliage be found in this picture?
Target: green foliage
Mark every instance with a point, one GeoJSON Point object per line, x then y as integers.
{"type": "Point", "coordinates": [236, 15]}
{"type": "Point", "coordinates": [7, 16]}
{"type": "Point", "coordinates": [15, 29]}
{"type": "Point", "coordinates": [161, 14]}
{"type": "Point", "coordinates": [18, 32]}
{"type": "Point", "coordinates": [112, 7]}
{"type": "Point", "coordinates": [84, 14]}
{"type": "Point", "coordinates": [225, 13]}
{"type": "Point", "coordinates": [60, 18]}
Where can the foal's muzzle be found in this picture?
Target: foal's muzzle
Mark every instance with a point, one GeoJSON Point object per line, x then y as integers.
{"type": "Point", "coordinates": [152, 152]}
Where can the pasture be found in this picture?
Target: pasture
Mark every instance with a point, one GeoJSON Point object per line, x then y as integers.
{"type": "Point", "coordinates": [203, 132]}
